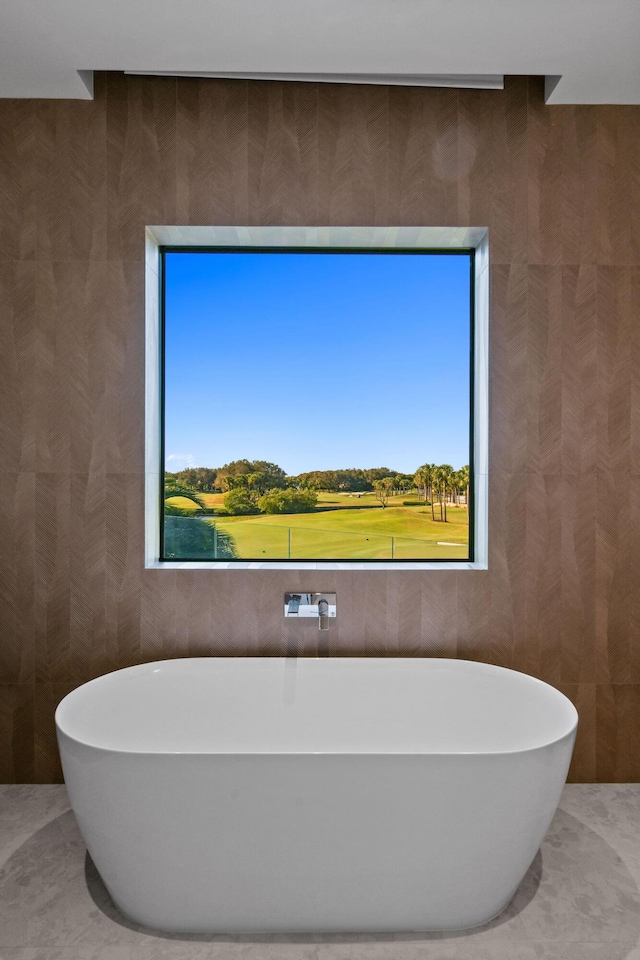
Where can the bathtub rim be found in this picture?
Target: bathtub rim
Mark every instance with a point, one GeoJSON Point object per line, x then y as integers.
{"type": "Point", "coordinates": [566, 734]}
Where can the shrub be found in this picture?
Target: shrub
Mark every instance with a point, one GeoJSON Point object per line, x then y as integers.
{"type": "Point", "coordinates": [238, 502]}
{"type": "Point", "coordinates": [288, 501]}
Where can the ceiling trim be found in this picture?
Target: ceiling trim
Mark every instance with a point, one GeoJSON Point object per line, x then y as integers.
{"type": "Point", "coordinates": [458, 81]}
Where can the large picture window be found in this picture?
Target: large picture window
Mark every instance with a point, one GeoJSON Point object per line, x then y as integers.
{"type": "Point", "coordinates": [318, 405]}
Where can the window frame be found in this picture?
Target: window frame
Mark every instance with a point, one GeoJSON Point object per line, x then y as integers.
{"type": "Point", "coordinates": [472, 242]}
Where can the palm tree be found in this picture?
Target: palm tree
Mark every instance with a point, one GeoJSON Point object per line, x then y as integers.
{"type": "Point", "coordinates": [421, 478]}
{"type": "Point", "coordinates": [430, 474]}
{"type": "Point", "coordinates": [431, 471]}
{"type": "Point", "coordinates": [455, 488]}
{"type": "Point", "coordinates": [173, 489]}
{"type": "Point", "coordinates": [437, 490]}
{"type": "Point", "coordinates": [443, 482]}
{"type": "Point", "coordinates": [427, 474]}
{"type": "Point", "coordinates": [463, 480]}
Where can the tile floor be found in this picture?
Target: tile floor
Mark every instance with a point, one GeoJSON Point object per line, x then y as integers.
{"type": "Point", "coordinates": [579, 901]}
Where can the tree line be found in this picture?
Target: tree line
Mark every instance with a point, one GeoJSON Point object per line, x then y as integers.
{"type": "Point", "coordinates": [262, 475]}
{"type": "Point", "coordinates": [259, 486]}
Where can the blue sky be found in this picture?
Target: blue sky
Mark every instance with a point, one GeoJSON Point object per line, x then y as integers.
{"type": "Point", "coordinates": [317, 361]}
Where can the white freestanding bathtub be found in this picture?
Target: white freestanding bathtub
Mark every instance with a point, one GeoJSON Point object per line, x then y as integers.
{"type": "Point", "coordinates": [308, 795]}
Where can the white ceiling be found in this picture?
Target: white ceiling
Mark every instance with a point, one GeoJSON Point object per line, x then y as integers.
{"type": "Point", "coordinates": [49, 48]}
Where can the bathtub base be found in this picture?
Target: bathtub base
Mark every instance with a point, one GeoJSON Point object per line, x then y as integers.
{"type": "Point", "coordinates": [316, 844]}
{"type": "Point", "coordinates": [309, 930]}
{"type": "Point", "coordinates": [364, 918]}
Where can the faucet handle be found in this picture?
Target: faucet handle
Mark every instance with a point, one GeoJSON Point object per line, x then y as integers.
{"type": "Point", "coordinates": [293, 607]}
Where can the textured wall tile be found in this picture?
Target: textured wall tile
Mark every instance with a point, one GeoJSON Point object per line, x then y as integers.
{"type": "Point", "coordinates": [141, 160]}
{"type": "Point", "coordinates": [157, 639]}
{"type": "Point", "coordinates": [282, 159]}
{"type": "Point", "coordinates": [420, 614]}
{"type": "Point", "coordinates": [375, 612]}
{"type": "Point", "coordinates": [122, 440]}
{"type": "Point", "coordinates": [545, 369]}
{"type": "Point", "coordinates": [578, 572]}
{"type": "Point", "coordinates": [633, 193]}
{"type": "Point", "coordinates": [408, 155]}
{"type": "Point", "coordinates": [546, 353]}
{"type": "Point", "coordinates": [212, 152]}
{"type": "Point", "coordinates": [617, 610]}
{"type": "Point", "coordinates": [16, 733]}
{"type": "Point", "coordinates": [492, 167]}
{"type": "Point", "coordinates": [46, 755]}
{"type": "Point", "coordinates": [508, 362]}
{"type": "Point", "coordinates": [618, 167]}
{"type": "Point", "coordinates": [70, 366]}
{"type": "Point", "coordinates": [269, 636]}
{"type": "Point", "coordinates": [545, 179]}
{"type": "Point", "coordinates": [195, 600]}
{"type": "Point", "coordinates": [617, 339]}
{"type": "Point", "coordinates": [90, 655]}
{"type": "Point", "coordinates": [437, 636]}
{"type": "Point", "coordinates": [563, 354]}
{"type": "Point", "coordinates": [17, 365]}
{"type": "Point", "coordinates": [508, 571]}
{"type": "Point", "coordinates": [510, 202]}
{"type": "Point", "coordinates": [630, 589]}
{"type": "Point", "coordinates": [17, 537]}
{"type": "Point", "coordinates": [578, 330]}
{"type": "Point", "coordinates": [579, 183]}
{"type": "Point", "coordinates": [353, 133]}
{"type": "Point", "coordinates": [440, 124]}
{"type": "Point", "coordinates": [634, 431]}
{"type": "Point", "coordinates": [543, 581]}
{"type": "Point", "coordinates": [124, 540]}
{"type": "Point", "coordinates": [71, 193]}
{"type": "Point", "coordinates": [561, 576]}
{"type": "Point", "coordinates": [476, 155]}
{"type": "Point", "coordinates": [583, 762]}
{"type": "Point", "coordinates": [53, 532]}
{"type": "Point", "coordinates": [618, 733]}
{"type": "Point", "coordinates": [18, 138]}
{"type": "Point", "coordinates": [483, 627]}
{"type": "Point", "coordinates": [491, 617]}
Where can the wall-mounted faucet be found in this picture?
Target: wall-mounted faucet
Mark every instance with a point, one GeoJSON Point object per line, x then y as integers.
{"type": "Point", "coordinates": [320, 605]}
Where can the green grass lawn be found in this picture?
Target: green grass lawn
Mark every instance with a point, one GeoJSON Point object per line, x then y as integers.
{"type": "Point", "coordinates": [352, 532]}
{"type": "Point", "coordinates": [350, 529]}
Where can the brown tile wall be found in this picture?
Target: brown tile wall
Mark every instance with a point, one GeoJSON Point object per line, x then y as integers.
{"type": "Point", "coordinates": [559, 188]}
